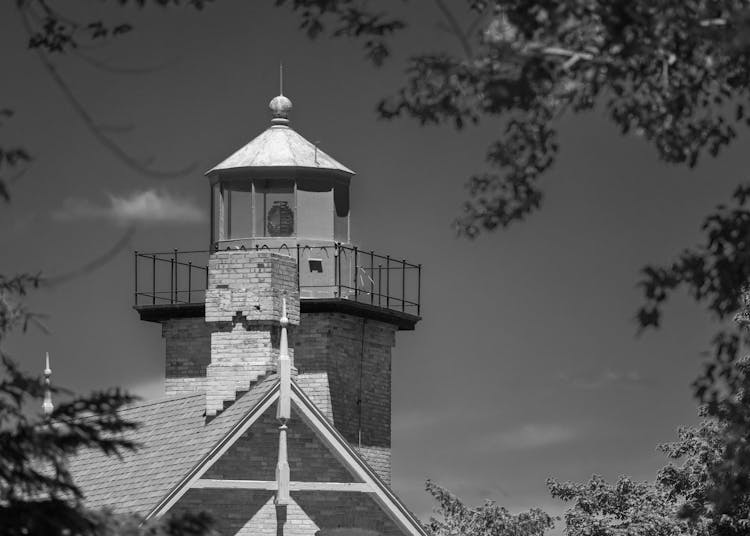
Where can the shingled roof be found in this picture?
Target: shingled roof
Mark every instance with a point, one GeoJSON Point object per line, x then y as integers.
{"type": "Point", "coordinates": [173, 438]}
{"type": "Point", "coordinates": [175, 441]}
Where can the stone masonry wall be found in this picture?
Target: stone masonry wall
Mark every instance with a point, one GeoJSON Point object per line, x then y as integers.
{"type": "Point", "coordinates": [243, 308]}
{"type": "Point", "coordinates": [355, 356]}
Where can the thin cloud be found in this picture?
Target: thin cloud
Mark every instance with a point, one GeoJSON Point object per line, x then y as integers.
{"type": "Point", "coordinates": [601, 380]}
{"type": "Point", "coordinates": [147, 206]}
{"type": "Point", "coordinates": [530, 436]}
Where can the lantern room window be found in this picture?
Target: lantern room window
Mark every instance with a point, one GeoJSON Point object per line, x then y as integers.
{"type": "Point", "coordinates": [239, 216]}
{"type": "Point", "coordinates": [273, 208]}
{"type": "Point", "coordinates": [247, 209]}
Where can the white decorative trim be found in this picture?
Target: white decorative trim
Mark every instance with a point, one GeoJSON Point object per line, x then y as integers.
{"type": "Point", "coordinates": [346, 455]}
{"type": "Point", "coordinates": [311, 415]}
{"type": "Point", "coordinates": [270, 485]}
{"type": "Point", "coordinates": [218, 483]}
{"type": "Point", "coordinates": [214, 454]}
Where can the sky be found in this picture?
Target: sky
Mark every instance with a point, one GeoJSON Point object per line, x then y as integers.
{"type": "Point", "coordinates": [527, 363]}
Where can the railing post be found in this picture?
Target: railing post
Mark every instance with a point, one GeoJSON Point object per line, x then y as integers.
{"type": "Point", "coordinates": [176, 268]}
{"type": "Point", "coordinates": [135, 262]}
{"type": "Point", "coordinates": [356, 273]}
{"type": "Point", "coordinates": [403, 285]}
{"type": "Point", "coordinates": [190, 279]}
{"type": "Point", "coordinates": [338, 269]}
{"type": "Point", "coordinates": [419, 288]}
{"type": "Point", "coordinates": [298, 270]}
{"type": "Point", "coordinates": [171, 280]}
{"type": "Point", "coordinates": [372, 279]}
{"type": "Point", "coordinates": [153, 279]}
{"type": "Point", "coordinates": [388, 281]}
{"type": "Point", "coordinates": [380, 282]}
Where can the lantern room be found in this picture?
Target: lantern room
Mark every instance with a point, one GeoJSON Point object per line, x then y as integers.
{"type": "Point", "coordinates": [279, 189]}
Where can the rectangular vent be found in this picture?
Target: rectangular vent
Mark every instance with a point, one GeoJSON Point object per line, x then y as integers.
{"type": "Point", "coordinates": [316, 265]}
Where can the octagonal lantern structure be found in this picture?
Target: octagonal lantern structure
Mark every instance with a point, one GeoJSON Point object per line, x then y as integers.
{"type": "Point", "coordinates": [282, 192]}
{"type": "Point", "coordinates": [279, 189]}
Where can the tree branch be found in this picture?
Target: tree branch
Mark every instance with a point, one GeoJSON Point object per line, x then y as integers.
{"type": "Point", "coordinates": [94, 264]}
{"type": "Point", "coordinates": [91, 124]}
{"type": "Point", "coordinates": [455, 28]}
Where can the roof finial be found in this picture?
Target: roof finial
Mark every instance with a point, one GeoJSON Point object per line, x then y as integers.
{"type": "Point", "coordinates": [280, 106]}
{"type": "Point", "coordinates": [47, 405]}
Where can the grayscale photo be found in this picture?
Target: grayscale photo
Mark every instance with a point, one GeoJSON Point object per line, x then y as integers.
{"type": "Point", "coordinates": [374, 268]}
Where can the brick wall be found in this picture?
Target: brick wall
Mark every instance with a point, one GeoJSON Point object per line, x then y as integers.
{"type": "Point", "coordinates": [239, 341]}
{"type": "Point", "coordinates": [243, 308]}
{"type": "Point", "coordinates": [255, 454]}
{"type": "Point", "coordinates": [251, 283]}
{"type": "Point", "coordinates": [331, 345]}
{"type": "Point", "coordinates": [188, 353]}
{"type": "Point", "coordinates": [315, 385]}
{"type": "Point", "coordinates": [311, 513]}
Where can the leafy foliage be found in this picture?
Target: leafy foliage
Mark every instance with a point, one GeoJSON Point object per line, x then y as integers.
{"type": "Point", "coordinates": [671, 71]}
{"type": "Point", "coordinates": [38, 494]}
{"type": "Point", "coordinates": [487, 520]}
{"type": "Point", "coordinates": [714, 272]}
{"type": "Point", "coordinates": [347, 18]}
{"type": "Point", "coordinates": [626, 507]}
{"type": "Point", "coordinates": [703, 490]}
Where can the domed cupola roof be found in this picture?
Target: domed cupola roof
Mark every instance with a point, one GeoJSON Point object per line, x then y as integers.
{"type": "Point", "coordinates": [280, 146]}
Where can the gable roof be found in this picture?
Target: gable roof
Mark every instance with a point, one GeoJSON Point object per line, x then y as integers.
{"type": "Point", "coordinates": [383, 493]}
{"type": "Point", "coordinates": [173, 437]}
{"type": "Point", "coordinates": [177, 447]}
{"type": "Point", "coordinates": [281, 146]}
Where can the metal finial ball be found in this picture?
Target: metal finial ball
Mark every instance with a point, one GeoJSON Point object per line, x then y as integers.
{"type": "Point", "coordinates": [280, 106]}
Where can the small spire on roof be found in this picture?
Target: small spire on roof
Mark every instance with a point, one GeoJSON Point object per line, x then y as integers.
{"type": "Point", "coordinates": [47, 405]}
{"type": "Point", "coordinates": [280, 106]}
{"type": "Point", "coordinates": [283, 411]}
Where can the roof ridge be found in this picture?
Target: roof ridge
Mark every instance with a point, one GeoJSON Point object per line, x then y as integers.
{"type": "Point", "coordinates": [163, 399]}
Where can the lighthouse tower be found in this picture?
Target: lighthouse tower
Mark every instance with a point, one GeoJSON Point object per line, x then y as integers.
{"type": "Point", "coordinates": [280, 233]}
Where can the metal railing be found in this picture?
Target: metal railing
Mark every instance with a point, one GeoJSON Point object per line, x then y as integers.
{"type": "Point", "coordinates": [181, 277]}
{"type": "Point", "coordinates": [170, 277]}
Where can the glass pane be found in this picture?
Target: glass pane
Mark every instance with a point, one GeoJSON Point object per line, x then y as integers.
{"type": "Point", "coordinates": [341, 229]}
{"type": "Point", "coordinates": [215, 213]}
{"type": "Point", "coordinates": [240, 215]}
{"type": "Point", "coordinates": [341, 219]}
{"type": "Point", "coordinates": [274, 208]}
